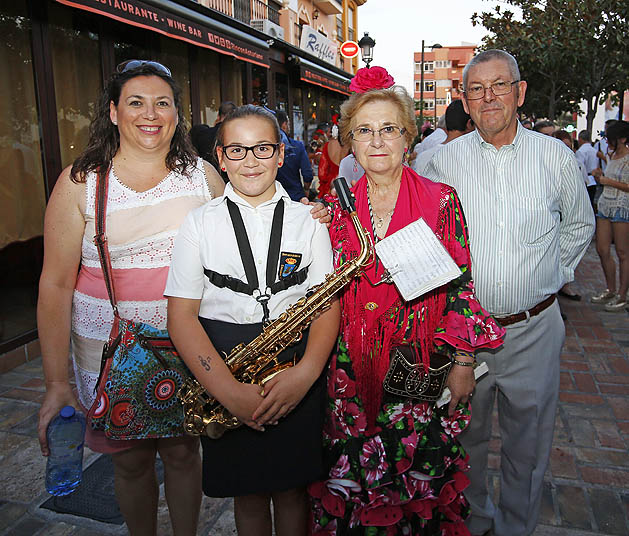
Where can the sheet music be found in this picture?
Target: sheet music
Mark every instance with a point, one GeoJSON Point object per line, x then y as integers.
{"type": "Point", "coordinates": [416, 260]}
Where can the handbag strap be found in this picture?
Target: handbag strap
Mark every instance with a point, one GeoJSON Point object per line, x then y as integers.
{"type": "Point", "coordinates": [100, 238]}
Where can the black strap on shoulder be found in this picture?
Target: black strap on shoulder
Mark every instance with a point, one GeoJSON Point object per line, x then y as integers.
{"type": "Point", "coordinates": [244, 247]}
{"type": "Point", "coordinates": [274, 243]}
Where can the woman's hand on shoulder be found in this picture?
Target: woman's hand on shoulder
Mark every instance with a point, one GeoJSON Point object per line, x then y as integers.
{"type": "Point", "coordinates": [58, 395]}
{"type": "Point", "coordinates": [283, 393]}
{"type": "Point", "coordinates": [215, 182]}
{"type": "Point", "coordinates": [318, 211]}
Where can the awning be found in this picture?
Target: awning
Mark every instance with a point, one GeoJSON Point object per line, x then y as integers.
{"type": "Point", "coordinates": [193, 28]}
{"type": "Point", "coordinates": [315, 74]}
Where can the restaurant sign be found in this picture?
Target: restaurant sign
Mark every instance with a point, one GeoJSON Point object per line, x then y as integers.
{"type": "Point", "coordinates": [318, 45]}
{"type": "Point", "coordinates": [137, 13]}
{"type": "Point", "coordinates": [319, 78]}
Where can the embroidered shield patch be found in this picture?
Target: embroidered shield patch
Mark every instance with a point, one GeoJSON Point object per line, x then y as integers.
{"type": "Point", "coordinates": [289, 262]}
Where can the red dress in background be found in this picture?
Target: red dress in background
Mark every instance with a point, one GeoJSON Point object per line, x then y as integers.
{"type": "Point", "coordinates": [328, 171]}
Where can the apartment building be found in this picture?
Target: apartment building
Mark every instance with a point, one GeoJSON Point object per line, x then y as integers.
{"type": "Point", "coordinates": [56, 55]}
{"type": "Point", "coordinates": [443, 76]}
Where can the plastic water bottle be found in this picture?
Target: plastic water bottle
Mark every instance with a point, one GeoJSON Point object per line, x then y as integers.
{"type": "Point", "coordinates": [64, 468]}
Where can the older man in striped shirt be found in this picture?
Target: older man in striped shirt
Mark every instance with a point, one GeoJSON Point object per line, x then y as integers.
{"type": "Point", "coordinates": [530, 222]}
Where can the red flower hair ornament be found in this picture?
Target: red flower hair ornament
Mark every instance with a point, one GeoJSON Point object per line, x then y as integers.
{"type": "Point", "coordinates": [372, 78]}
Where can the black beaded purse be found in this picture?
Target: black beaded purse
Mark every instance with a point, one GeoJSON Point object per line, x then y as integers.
{"type": "Point", "coordinates": [408, 379]}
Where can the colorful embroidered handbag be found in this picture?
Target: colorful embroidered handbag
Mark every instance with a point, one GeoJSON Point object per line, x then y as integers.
{"type": "Point", "coordinates": [141, 372]}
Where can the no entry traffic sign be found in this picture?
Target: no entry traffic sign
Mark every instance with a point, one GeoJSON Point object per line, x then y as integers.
{"type": "Point", "coordinates": [349, 49]}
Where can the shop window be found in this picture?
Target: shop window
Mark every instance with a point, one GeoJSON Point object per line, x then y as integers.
{"type": "Point", "coordinates": [133, 43]}
{"type": "Point", "coordinates": [259, 92]}
{"type": "Point", "coordinates": [174, 54]}
{"type": "Point", "coordinates": [298, 115]}
{"type": "Point", "coordinates": [208, 67]}
{"type": "Point", "coordinates": [281, 92]}
{"type": "Point", "coordinates": [77, 75]}
{"type": "Point", "coordinates": [23, 199]}
{"type": "Point", "coordinates": [234, 80]}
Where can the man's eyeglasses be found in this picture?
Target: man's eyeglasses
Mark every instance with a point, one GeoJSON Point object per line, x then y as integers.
{"type": "Point", "coordinates": [477, 91]}
{"type": "Point", "coordinates": [134, 64]}
{"type": "Point", "coordinates": [390, 132]}
{"type": "Point", "coordinates": [263, 151]}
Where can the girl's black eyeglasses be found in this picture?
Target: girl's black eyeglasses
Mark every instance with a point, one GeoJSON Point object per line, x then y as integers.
{"type": "Point", "coordinates": [261, 151]}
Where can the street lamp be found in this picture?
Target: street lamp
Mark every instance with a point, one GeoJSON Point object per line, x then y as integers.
{"type": "Point", "coordinates": [366, 45]}
{"type": "Point", "coordinates": [421, 87]}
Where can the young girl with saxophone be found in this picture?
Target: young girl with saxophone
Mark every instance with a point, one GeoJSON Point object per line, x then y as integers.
{"type": "Point", "coordinates": [239, 261]}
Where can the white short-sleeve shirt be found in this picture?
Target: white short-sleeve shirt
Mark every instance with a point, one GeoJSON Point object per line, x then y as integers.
{"type": "Point", "coordinates": [207, 240]}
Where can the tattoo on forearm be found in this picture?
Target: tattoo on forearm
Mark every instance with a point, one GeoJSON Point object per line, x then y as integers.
{"type": "Point", "coordinates": [205, 362]}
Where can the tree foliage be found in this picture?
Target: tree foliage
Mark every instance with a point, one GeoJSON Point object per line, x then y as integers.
{"type": "Point", "coordinates": [567, 50]}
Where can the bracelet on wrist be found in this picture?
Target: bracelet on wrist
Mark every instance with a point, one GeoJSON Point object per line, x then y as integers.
{"type": "Point", "coordinates": [463, 354]}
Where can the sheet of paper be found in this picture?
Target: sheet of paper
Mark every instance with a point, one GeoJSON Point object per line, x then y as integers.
{"type": "Point", "coordinates": [416, 260]}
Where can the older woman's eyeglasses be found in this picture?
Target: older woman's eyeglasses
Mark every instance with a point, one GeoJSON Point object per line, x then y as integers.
{"type": "Point", "coordinates": [390, 132]}
{"type": "Point", "coordinates": [134, 64]}
{"type": "Point", "coordinates": [477, 91]}
{"type": "Point", "coordinates": [262, 151]}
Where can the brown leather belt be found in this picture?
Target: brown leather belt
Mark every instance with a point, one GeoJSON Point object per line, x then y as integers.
{"type": "Point", "coordinates": [533, 311]}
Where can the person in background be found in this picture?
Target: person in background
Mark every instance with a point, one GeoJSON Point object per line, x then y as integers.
{"type": "Point", "coordinates": [432, 137]}
{"type": "Point", "coordinates": [224, 110]}
{"type": "Point", "coordinates": [331, 155]}
{"type": "Point", "coordinates": [350, 169]}
{"type": "Point", "coordinates": [394, 465]}
{"type": "Point", "coordinates": [612, 218]}
{"type": "Point", "coordinates": [139, 137]}
{"type": "Point", "coordinates": [586, 156]}
{"type": "Point", "coordinates": [528, 124]}
{"type": "Point", "coordinates": [458, 123]}
{"type": "Point", "coordinates": [544, 127]}
{"type": "Point", "coordinates": [201, 138]}
{"type": "Point", "coordinates": [530, 224]}
{"type": "Point", "coordinates": [295, 174]}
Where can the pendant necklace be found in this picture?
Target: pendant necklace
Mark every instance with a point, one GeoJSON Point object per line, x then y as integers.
{"type": "Point", "coordinates": [380, 221]}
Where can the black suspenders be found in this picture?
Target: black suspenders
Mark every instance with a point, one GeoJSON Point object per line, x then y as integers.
{"type": "Point", "coordinates": [252, 287]}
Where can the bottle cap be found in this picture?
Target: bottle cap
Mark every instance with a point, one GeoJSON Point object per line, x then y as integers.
{"type": "Point", "coordinates": [67, 412]}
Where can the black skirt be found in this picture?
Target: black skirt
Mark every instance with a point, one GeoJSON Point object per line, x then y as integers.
{"type": "Point", "coordinates": [286, 456]}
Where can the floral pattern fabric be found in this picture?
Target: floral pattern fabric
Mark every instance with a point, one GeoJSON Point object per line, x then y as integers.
{"type": "Point", "coordinates": [404, 475]}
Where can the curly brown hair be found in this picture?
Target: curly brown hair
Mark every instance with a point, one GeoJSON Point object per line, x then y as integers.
{"type": "Point", "coordinates": [104, 139]}
{"type": "Point", "coordinates": [396, 95]}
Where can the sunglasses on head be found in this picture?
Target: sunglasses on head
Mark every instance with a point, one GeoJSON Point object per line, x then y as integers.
{"type": "Point", "coordinates": [134, 64]}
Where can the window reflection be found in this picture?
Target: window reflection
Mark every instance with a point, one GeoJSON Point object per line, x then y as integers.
{"type": "Point", "coordinates": [22, 195]}
{"type": "Point", "coordinates": [77, 74]}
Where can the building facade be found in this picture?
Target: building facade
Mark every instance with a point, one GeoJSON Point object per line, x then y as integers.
{"type": "Point", "coordinates": [57, 54]}
{"type": "Point", "coordinates": [443, 77]}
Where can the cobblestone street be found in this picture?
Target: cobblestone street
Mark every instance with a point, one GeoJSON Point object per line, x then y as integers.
{"type": "Point", "coordinates": [586, 485]}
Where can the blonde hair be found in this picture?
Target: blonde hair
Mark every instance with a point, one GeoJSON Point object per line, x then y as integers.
{"type": "Point", "coordinates": [396, 95]}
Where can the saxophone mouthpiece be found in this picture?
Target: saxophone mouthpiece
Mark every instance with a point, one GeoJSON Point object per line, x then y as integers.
{"type": "Point", "coordinates": [346, 198]}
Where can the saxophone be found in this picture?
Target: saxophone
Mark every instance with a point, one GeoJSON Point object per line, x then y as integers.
{"type": "Point", "coordinates": [257, 361]}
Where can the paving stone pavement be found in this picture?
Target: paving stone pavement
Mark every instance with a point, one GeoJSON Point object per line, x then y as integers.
{"type": "Point", "coordinates": [586, 486]}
